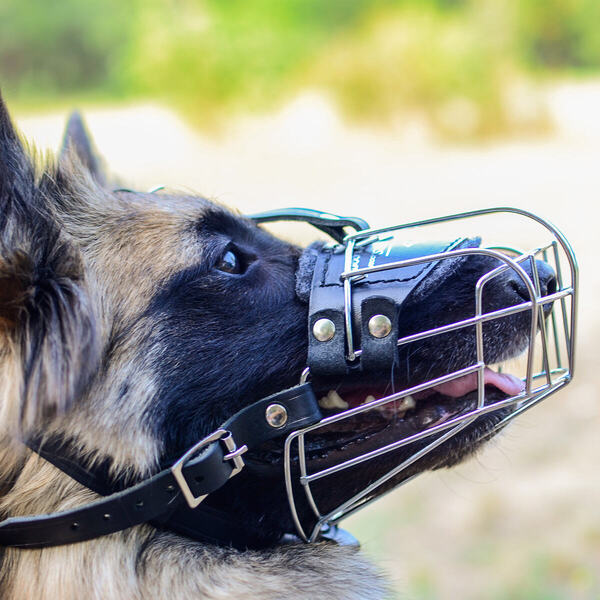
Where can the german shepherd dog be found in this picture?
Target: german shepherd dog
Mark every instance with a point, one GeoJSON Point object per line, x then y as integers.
{"type": "Point", "coordinates": [132, 325]}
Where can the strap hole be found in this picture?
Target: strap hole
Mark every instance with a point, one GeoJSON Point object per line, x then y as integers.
{"type": "Point", "coordinates": [139, 504]}
{"type": "Point", "coordinates": [170, 488]}
{"type": "Point", "coordinates": [199, 478]}
{"type": "Point", "coordinates": [74, 526]}
{"type": "Point", "coordinates": [106, 517]}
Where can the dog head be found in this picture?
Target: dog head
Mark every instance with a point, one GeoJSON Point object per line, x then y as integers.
{"type": "Point", "coordinates": [132, 325]}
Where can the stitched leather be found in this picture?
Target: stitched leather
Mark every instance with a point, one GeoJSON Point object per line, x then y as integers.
{"type": "Point", "coordinates": [381, 292]}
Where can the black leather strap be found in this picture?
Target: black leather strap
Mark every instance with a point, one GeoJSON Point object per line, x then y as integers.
{"type": "Point", "coordinates": [380, 292]}
{"type": "Point", "coordinates": [327, 302]}
{"type": "Point", "coordinates": [378, 353]}
{"type": "Point", "coordinates": [249, 426]}
{"type": "Point", "coordinates": [63, 455]}
{"type": "Point", "coordinates": [158, 497]}
{"type": "Point", "coordinates": [138, 504]}
{"type": "Point", "coordinates": [218, 527]}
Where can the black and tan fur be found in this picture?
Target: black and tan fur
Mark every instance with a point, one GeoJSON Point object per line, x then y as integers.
{"type": "Point", "coordinates": [120, 335]}
{"type": "Point", "coordinates": [79, 269]}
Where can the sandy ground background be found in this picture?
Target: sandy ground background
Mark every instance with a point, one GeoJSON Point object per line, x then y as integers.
{"type": "Point", "coordinates": [522, 519]}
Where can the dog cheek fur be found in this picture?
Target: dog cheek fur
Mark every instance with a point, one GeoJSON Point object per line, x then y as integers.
{"type": "Point", "coordinates": [320, 572]}
{"type": "Point", "coordinates": [139, 565]}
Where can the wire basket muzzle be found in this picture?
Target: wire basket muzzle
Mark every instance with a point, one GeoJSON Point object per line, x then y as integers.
{"type": "Point", "coordinates": [363, 286]}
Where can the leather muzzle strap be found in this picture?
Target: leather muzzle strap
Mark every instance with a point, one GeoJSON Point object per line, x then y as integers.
{"type": "Point", "coordinates": [156, 498]}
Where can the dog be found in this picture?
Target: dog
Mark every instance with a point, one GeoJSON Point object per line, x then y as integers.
{"type": "Point", "coordinates": [132, 325]}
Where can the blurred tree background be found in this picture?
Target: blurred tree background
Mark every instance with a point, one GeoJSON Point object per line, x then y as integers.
{"type": "Point", "coordinates": [466, 66]}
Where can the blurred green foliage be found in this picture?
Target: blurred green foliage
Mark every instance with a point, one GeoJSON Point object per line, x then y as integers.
{"type": "Point", "coordinates": [450, 60]}
{"type": "Point", "coordinates": [64, 46]}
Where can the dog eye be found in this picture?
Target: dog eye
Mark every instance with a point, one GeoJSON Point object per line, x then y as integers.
{"type": "Point", "coordinates": [230, 263]}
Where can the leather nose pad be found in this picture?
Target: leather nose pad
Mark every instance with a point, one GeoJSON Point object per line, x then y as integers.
{"type": "Point", "coordinates": [304, 273]}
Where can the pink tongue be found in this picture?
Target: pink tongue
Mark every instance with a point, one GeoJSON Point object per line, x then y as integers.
{"type": "Point", "coordinates": [505, 382]}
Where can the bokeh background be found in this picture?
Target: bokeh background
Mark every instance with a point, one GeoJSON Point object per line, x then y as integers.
{"type": "Point", "coordinates": [395, 111]}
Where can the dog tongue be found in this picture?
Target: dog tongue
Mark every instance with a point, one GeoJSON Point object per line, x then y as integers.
{"type": "Point", "coordinates": [505, 382]}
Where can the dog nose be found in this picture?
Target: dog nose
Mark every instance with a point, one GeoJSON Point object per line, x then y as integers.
{"type": "Point", "coordinates": [547, 279]}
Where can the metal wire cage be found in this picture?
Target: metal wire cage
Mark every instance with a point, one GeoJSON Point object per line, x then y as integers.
{"type": "Point", "coordinates": [549, 361]}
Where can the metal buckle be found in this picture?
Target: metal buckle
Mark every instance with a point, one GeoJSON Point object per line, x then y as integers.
{"type": "Point", "coordinates": [234, 454]}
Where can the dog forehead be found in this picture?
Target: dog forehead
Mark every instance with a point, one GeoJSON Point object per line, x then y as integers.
{"type": "Point", "coordinates": [144, 239]}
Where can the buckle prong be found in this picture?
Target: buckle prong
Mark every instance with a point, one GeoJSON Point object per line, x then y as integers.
{"type": "Point", "coordinates": [235, 454]}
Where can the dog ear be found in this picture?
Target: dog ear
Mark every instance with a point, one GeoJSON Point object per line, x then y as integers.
{"type": "Point", "coordinates": [76, 139]}
{"type": "Point", "coordinates": [48, 340]}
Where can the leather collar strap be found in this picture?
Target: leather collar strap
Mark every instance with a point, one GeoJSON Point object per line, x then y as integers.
{"type": "Point", "coordinates": [200, 471]}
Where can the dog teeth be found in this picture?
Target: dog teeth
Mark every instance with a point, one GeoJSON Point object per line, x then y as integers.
{"type": "Point", "coordinates": [407, 403]}
{"type": "Point", "coordinates": [337, 400]}
{"type": "Point", "coordinates": [333, 400]}
{"type": "Point", "coordinates": [397, 409]}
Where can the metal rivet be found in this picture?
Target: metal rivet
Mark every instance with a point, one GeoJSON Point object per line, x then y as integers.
{"type": "Point", "coordinates": [276, 415]}
{"type": "Point", "coordinates": [379, 326]}
{"type": "Point", "coordinates": [75, 526]}
{"type": "Point", "coordinates": [324, 329]}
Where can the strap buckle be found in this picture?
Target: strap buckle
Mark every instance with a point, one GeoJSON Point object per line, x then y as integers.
{"type": "Point", "coordinates": [234, 454]}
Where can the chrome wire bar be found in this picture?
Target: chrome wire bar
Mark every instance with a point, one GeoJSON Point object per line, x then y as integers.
{"type": "Point", "coordinates": [554, 344]}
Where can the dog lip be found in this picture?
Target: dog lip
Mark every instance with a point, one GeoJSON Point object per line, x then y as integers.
{"type": "Point", "coordinates": [364, 432]}
{"type": "Point", "coordinates": [437, 409]}
{"type": "Point", "coordinates": [434, 406]}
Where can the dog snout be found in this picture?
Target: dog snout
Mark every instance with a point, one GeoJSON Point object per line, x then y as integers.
{"type": "Point", "coordinates": [546, 277]}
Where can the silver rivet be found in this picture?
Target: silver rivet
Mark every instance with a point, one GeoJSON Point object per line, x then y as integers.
{"type": "Point", "coordinates": [379, 326]}
{"type": "Point", "coordinates": [276, 415]}
{"type": "Point", "coordinates": [324, 329]}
